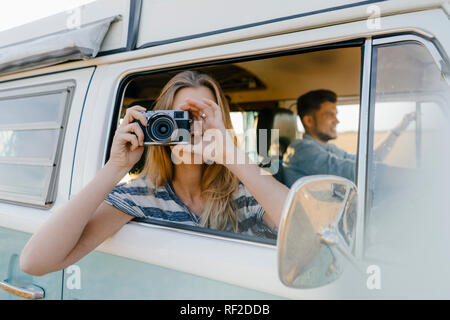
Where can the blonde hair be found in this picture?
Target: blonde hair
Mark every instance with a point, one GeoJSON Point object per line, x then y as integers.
{"type": "Point", "coordinates": [217, 183]}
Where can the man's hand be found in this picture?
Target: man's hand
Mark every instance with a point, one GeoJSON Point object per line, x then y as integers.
{"type": "Point", "coordinates": [404, 123]}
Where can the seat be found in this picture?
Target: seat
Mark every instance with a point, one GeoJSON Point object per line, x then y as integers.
{"type": "Point", "coordinates": [273, 148]}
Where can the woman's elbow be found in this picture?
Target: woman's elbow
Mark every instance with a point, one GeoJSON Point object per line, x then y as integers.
{"type": "Point", "coordinates": [30, 266]}
{"type": "Point", "coordinates": [26, 265]}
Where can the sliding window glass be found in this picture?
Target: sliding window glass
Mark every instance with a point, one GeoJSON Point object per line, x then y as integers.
{"type": "Point", "coordinates": [32, 125]}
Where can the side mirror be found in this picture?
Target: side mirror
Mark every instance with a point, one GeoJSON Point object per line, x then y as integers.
{"type": "Point", "coordinates": [318, 223]}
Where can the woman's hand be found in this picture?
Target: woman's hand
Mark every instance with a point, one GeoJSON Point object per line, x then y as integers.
{"type": "Point", "coordinates": [206, 111]}
{"type": "Point", "coordinates": [211, 140]}
{"type": "Point", "coordinates": [128, 143]}
{"type": "Point", "coordinates": [225, 152]}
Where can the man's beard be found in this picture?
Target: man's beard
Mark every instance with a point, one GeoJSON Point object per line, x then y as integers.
{"type": "Point", "coordinates": [324, 137]}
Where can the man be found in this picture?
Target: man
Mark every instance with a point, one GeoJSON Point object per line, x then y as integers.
{"type": "Point", "coordinates": [314, 154]}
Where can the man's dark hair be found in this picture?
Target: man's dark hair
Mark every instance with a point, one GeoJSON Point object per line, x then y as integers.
{"type": "Point", "coordinates": [311, 101]}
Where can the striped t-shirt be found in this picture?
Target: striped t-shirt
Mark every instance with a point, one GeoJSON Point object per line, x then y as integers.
{"type": "Point", "coordinates": [149, 204]}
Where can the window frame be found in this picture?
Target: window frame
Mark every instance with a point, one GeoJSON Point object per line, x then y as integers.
{"type": "Point", "coordinates": [442, 62]}
{"type": "Point", "coordinates": [67, 88]}
{"type": "Point", "coordinates": [128, 76]}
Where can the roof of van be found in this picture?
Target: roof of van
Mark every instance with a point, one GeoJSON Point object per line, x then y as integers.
{"type": "Point", "coordinates": [143, 24]}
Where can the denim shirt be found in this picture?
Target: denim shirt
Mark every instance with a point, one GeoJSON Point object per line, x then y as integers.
{"type": "Point", "coordinates": [307, 156]}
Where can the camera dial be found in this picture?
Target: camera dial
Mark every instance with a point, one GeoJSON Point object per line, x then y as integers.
{"type": "Point", "coordinates": [161, 127]}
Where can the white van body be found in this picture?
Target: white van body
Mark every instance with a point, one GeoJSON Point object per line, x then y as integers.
{"type": "Point", "coordinates": [158, 35]}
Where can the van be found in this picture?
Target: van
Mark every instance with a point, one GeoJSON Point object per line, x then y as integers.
{"type": "Point", "coordinates": [67, 80]}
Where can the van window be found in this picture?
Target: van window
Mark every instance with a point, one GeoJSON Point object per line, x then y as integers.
{"type": "Point", "coordinates": [262, 93]}
{"type": "Point", "coordinates": [410, 103]}
{"type": "Point", "coordinates": [244, 124]}
{"type": "Point", "coordinates": [31, 133]}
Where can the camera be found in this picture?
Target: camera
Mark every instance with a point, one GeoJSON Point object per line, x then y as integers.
{"type": "Point", "coordinates": [166, 127]}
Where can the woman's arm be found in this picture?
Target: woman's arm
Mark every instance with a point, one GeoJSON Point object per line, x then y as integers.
{"type": "Point", "coordinates": [85, 221]}
{"type": "Point", "coordinates": [53, 242]}
{"type": "Point", "coordinates": [268, 191]}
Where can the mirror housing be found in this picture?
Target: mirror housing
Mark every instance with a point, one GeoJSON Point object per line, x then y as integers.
{"type": "Point", "coordinates": [319, 219]}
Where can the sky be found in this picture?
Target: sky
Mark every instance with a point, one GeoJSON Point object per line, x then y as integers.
{"type": "Point", "coordinates": [17, 12]}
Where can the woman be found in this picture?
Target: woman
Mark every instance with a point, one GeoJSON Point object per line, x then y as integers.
{"type": "Point", "coordinates": [198, 178]}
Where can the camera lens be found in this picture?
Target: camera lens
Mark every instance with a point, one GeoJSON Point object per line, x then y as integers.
{"type": "Point", "coordinates": [161, 128]}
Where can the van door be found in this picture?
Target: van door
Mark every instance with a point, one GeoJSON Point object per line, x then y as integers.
{"type": "Point", "coordinates": [407, 194]}
{"type": "Point", "coordinates": [156, 261]}
{"type": "Point", "coordinates": [14, 282]}
{"type": "Point", "coordinates": [38, 132]}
